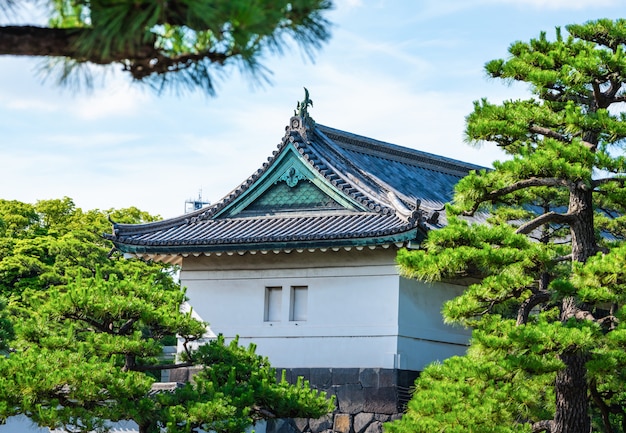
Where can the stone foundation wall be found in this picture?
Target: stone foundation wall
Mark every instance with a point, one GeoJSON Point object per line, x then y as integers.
{"type": "Point", "coordinates": [365, 399]}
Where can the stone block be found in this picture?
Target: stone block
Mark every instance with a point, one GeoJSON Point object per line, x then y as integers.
{"type": "Point", "coordinates": [280, 426]}
{"type": "Point", "coordinates": [301, 424]}
{"type": "Point", "coordinates": [361, 421]}
{"type": "Point", "coordinates": [193, 371]}
{"type": "Point", "coordinates": [320, 424]}
{"type": "Point", "coordinates": [342, 423]}
{"type": "Point", "coordinates": [380, 400]}
{"type": "Point", "coordinates": [330, 393]}
{"type": "Point", "coordinates": [369, 377]}
{"type": "Point", "coordinates": [387, 377]}
{"type": "Point", "coordinates": [351, 398]}
{"type": "Point", "coordinates": [382, 417]}
{"type": "Point", "coordinates": [374, 427]}
{"type": "Point", "coordinates": [406, 378]}
{"type": "Point", "coordinates": [180, 375]}
{"type": "Point", "coordinates": [321, 378]}
{"type": "Point", "coordinates": [305, 373]}
{"type": "Point", "coordinates": [343, 376]}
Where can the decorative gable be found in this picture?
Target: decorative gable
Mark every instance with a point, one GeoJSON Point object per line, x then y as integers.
{"type": "Point", "coordinates": [289, 185]}
{"type": "Point", "coordinates": [297, 197]}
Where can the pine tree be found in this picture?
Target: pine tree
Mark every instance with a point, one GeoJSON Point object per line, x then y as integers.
{"type": "Point", "coordinates": [85, 330]}
{"type": "Point", "coordinates": [547, 302]}
{"type": "Point", "coordinates": [180, 44]}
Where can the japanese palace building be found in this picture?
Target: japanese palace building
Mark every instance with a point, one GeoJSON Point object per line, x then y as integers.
{"type": "Point", "coordinates": [300, 259]}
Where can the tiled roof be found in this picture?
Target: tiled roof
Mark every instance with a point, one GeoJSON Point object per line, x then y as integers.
{"type": "Point", "coordinates": [413, 174]}
{"type": "Point", "coordinates": [390, 194]}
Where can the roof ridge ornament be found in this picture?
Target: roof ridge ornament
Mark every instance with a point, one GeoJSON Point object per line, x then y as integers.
{"type": "Point", "coordinates": [302, 108]}
{"type": "Point", "coordinates": [301, 119]}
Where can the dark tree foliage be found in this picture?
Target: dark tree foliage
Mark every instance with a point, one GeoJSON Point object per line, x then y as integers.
{"type": "Point", "coordinates": [547, 302]}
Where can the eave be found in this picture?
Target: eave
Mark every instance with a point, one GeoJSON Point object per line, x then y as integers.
{"type": "Point", "coordinates": [412, 235]}
{"type": "Point", "coordinates": [176, 258]}
{"type": "Point", "coordinates": [378, 194]}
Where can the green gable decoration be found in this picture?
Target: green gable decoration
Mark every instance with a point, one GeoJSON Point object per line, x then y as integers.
{"type": "Point", "coordinates": [288, 186]}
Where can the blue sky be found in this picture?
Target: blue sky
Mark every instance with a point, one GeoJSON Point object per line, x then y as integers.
{"type": "Point", "coordinates": [401, 71]}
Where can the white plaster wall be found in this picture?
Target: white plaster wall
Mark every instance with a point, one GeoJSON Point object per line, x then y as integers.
{"type": "Point", "coordinates": [22, 424]}
{"type": "Point", "coordinates": [352, 318]}
{"type": "Point", "coordinates": [423, 336]}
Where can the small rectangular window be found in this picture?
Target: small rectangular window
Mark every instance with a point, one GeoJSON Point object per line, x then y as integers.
{"type": "Point", "coordinates": [299, 303]}
{"type": "Point", "coordinates": [273, 303]}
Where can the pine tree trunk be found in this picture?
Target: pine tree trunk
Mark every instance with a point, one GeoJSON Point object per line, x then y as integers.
{"type": "Point", "coordinates": [572, 403]}
{"type": "Point", "coordinates": [571, 389]}
{"type": "Point", "coordinates": [582, 228]}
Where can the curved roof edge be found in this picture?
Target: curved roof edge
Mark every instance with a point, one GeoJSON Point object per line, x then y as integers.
{"type": "Point", "coordinates": [413, 235]}
{"type": "Point", "coordinates": [336, 156]}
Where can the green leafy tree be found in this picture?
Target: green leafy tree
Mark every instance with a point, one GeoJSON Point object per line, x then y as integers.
{"type": "Point", "coordinates": [181, 42]}
{"type": "Point", "coordinates": [52, 241]}
{"type": "Point", "coordinates": [547, 296]}
{"type": "Point", "coordinates": [87, 334]}
{"type": "Point", "coordinates": [6, 328]}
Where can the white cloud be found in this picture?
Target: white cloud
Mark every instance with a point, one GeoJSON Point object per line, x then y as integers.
{"type": "Point", "coordinates": [96, 140]}
{"type": "Point", "coordinates": [30, 104]}
{"type": "Point", "coordinates": [118, 99]}
{"type": "Point", "coordinates": [343, 6]}
{"type": "Point", "coordinates": [370, 48]}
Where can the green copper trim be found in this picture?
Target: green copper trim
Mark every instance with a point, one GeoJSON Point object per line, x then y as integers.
{"type": "Point", "coordinates": [303, 196]}
{"type": "Point", "coordinates": [413, 235]}
{"type": "Point", "coordinates": [290, 168]}
{"type": "Point", "coordinates": [292, 176]}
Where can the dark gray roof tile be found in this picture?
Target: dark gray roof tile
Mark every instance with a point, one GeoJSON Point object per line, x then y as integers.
{"type": "Point", "coordinates": [387, 180]}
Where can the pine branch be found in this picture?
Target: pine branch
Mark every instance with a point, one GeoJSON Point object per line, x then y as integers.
{"type": "Point", "coordinates": [522, 184]}
{"type": "Point", "coordinates": [601, 404]}
{"type": "Point", "coordinates": [547, 132]}
{"type": "Point", "coordinates": [141, 61]}
{"type": "Point", "coordinates": [565, 258]}
{"type": "Point", "coordinates": [614, 87]}
{"type": "Point", "coordinates": [263, 412]}
{"type": "Point", "coordinates": [526, 307]}
{"type": "Point", "coordinates": [560, 96]}
{"type": "Point", "coordinates": [59, 42]}
{"type": "Point", "coordinates": [102, 327]}
{"type": "Point", "coordinates": [126, 327]}
{"type": "Point", "coordinates": [597, 93]}
{"type": "Point", "coordinates": [605, 180]}
{"type": "Point", "coordinates": [569, 310]}
{"type": "Point", "coordinates": [612, 321]}
{"type": "Point", "coordinates": [546, 218]}
{"type": "Point", "coordinates": [543, 426]}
